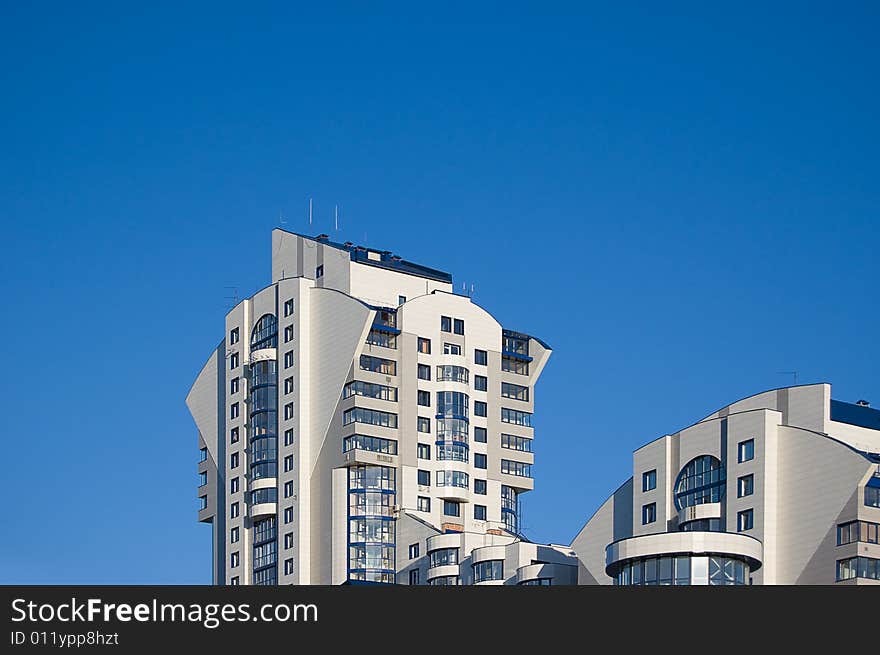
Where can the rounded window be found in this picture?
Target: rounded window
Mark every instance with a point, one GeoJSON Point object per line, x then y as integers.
{"type": "Point", "coordinates": [701, 481]}
{"type": "Point", "coordinates": [265, 333]}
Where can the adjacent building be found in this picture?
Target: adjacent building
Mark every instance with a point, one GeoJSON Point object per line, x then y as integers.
{"type": "Point", "coordinates": [360, 422]}
{"type": "Point", "coordinates": [779, 488]}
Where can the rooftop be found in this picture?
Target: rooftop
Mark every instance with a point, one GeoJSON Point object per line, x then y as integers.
{"type": "Point", "coordinates": [855, 414]}
{"type": "Point", "coordinates": [380, 258]}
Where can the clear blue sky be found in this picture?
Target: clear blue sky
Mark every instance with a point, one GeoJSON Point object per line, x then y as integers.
{"type": "Point", "coordinates": [682, 200]}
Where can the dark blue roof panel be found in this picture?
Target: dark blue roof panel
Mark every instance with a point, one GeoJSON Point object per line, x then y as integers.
{"type": "Point", "coordinates": [865, 417]}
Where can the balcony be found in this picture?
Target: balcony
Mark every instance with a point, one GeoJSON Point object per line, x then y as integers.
{"type": "Point", "coordinates": [727, 544]}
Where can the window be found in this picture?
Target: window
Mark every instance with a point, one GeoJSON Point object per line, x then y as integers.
{"type": "Point", "coordinates": [492, 569]}
{"type": "Point", "coordinates": [233, 535]}
{"type": "Point", "coordinates": [514, 442]}
{"type": "Point", "coordinates": [424, 504]}
{"type": "Point", "coordinates": [872, 495]}
{"type": "Point", "coordinates": [288, 566]}
{"type": "Point", "coordinates": [451, 349]}
{"type": "Point", "coordinates": [442, 557]}
{"type": "Point", "coordinates": [449, 373]}
{"type": "Point", "coordinates": [261, 496]}
{"type": "Point", "coordinates": [480, 487]}
{"type": "Point", "coordinates": [288, 334]}
{"type": "Point", "coordinates": [649, 480]}
{"type": "Point", "coordinates": [424, 372]}
{"type": "Point", "coordinates": [481, 383]}
{"type": "Point", "coordinates": [203, 453]}
{"type": "Point", "coordinates": [288, 437]}
{"type": "Point", "coordinates": [445, 324]}
{"type": "Point", "coordinates": [233, 560]}
{"type": "Point", "coordinates": [649, 513]}
{"type": "Point", "coordinates": [453, 452]}
{"type": "Point", "coordinates": [288, 540]}
{"type": "Point", "coordinates": [515, 391]}
{"type": "Point", "coordinates": [203, 479]}
{"type": "Point", "coordinates": [369, 390]}
{"type": "Point", "coordinates": [514, 365]}
{"type": "Point", "coordinates": [233, 485]}
{"type": "Point", "coordinates": [424, 451]}
{"type": "Point", "coordinates": [413, 551]}
{"type": "Point", "coordinates": [480, 408]}
{"type": "Point", "coordinates": [414, 577]}
{"type": "Point", "coordinates": [234, 581]}
{"type": "Point", "coordinates": [745, 520]}
{"type": "Point", "coordinates": [424, 478]}
{"type": "Point", "coordinates": [233, 411]}
{"type": "Point", "coordinates": [452, 404]}
{"type": "Point", "coordinates": [369, 416]}
{"type": "Point", "coordinates": [233, 510]}
{"type": "Point", "coordinates": [424, 346]}
{"type": "Point", "coordinates": [858, 567]}
{"type": "Point", "coordinates": [288, 385]}
{"type": "Point", "coordinates": [233, 361]}
{"type": "Point", "coordinates": [233, 336]}
{"type": "Point", "coordinates": [382, 338]}
{"type": "Point", "coordinates": [702, 480]}
{"type": "Point", "coordinates": [288, 489]}
{"type": "Point", "coordinates": [288, 411]}
{"type": "Point", "coordinates": [458, 326]}
{"type": "Point", "coordinates": [372, 444]}
{"type": "Point", "coordinates": [453, 479]}
{"type": "Point", "coordinates": [288, 307]}
{"type": "Point", "coordinates": [480, 435]}
{"type": "Point", "coordinates": [745, 486]}
{"type": "Point", "coordinates": [479, 461]}
{"type": "Point", "coordinates": [288, 359]}
{"type": "Point", "coordinates": [479, 512]}
{"type": "Point", "coordinates": [233, 435]}
{"type": "Point", "coordinates": [203, 503]}
{"type": "Point", "coordinates": [863, 531]}
{"type": "Point", "coordinates": [451, 508]}
{"type": "Point", "coordinates": [516, 417]}
{"type": "Point", "coordinates": [424, 398]}
{"type": "Point", "coordinates": [481, 357]}
{"type": "Point", "coordinates": [265, 333]}
{"type": "Point", "coordinates": [288, 463]}
{"type": "Point", "coordinates": [424, 424]}
{"type": "Point", "coordinates": [520, 469]}
{"type": "Point", "coordinates": [378, 365]}
{"type": "Point", "coordinates": [401, 300]}
{"type": "Point", "coordinates": [233, 460]}
{"type": "Point", "coordinates": [233, 385]}
{"type": "Point", "coordinates": [288, 514]}
{"type": "Point", "coordinates": [319, 272]}
{"type": "Point", "coordinates": [746, 451]}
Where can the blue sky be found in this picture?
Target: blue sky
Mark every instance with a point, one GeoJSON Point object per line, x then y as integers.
{"type": "Point", "coordinates": [682, 200]}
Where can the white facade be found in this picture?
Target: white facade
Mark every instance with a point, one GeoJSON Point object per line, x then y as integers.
{"type": "Point", "coordinates": [356, 407]}
{"type": "Point", "coordinates": [779, 488]}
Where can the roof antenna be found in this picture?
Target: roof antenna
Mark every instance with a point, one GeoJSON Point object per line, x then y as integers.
{"type": "Point", "coordinates": [281, 220]}
{"type": "Point", "coordinates": [310, 211]}
{"type": "Point", "coordinates": [337, 218]}
{"type": "Point", "coordinates": [472, 289]}
{"type": "Point", "coordinates": [232, 297]}
{"type": "Point", "coordinates": [792, 373]}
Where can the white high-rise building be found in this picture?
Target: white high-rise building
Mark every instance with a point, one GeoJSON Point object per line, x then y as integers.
{"type": "Point", "coordinates": [360, 422]}
{"type": "Point", "coordinates": [779, 488]}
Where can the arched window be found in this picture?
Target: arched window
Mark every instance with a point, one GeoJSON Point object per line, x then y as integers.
{"type": "Point", "coordinates": [265, 334]}
{"type": "Point", "coordinates": [700, 481]}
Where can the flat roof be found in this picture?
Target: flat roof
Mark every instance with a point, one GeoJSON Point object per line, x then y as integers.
{"type": "Point", "coordinates": [853, 414]}
{"type": "Point", "coordinates": [386, 259]}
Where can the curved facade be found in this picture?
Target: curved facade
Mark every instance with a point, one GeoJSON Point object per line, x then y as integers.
{"type": "Point", "coordinates": [767, 490]}
{"type": "Point", "coordinates": [358, 403]}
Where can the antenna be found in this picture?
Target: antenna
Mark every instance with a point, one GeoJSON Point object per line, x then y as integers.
{"type": "Point", "coordinates": [232, 297]}
{"type": "Point", "coordinates": [310, 211]}
{"type": "Point", "coordinates": [281, 220]}
{"type": "Point", "coordinates": [337, 218]}
{"type": "Point", "coordinates": [792, 373]}
{"type": "Point", "coordinates": [472, 288]}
